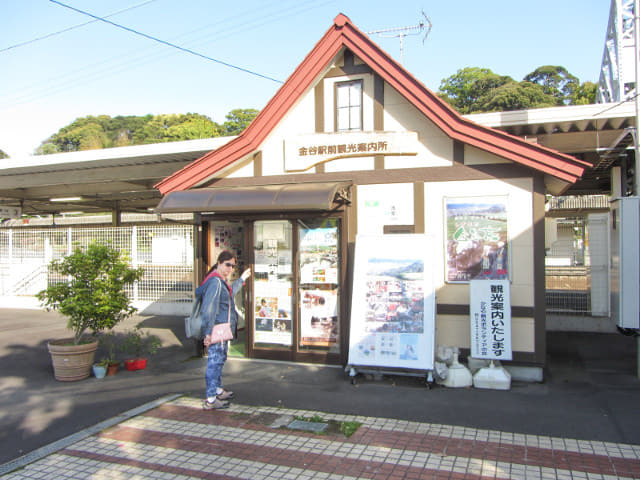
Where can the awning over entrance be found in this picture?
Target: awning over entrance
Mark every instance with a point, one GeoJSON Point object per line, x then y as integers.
{"type": "Point", "coordinates": [264, 198]}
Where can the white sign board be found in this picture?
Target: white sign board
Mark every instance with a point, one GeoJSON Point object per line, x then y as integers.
{"type": "Point", "coordinates": [304, 151]}
{"type": "Point", "coordinates": [169, 250]}
{"type": "Point", "coordinates": [10, 212]}
{"type": "Point", "coordinates": [393, 303]}
{"type": "Point", "coordinates": [490, 307]}
{"type": "Point", "coordinates": [386, 204]}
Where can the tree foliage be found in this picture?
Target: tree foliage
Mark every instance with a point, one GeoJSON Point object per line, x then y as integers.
{"type": "Point", "coordinates": [514, 96]}
{"type": "Point", "coordinates": [103, 131]}
{"type": "Point", "coordinates": [93, 297]}
{"type": "Point", "coordinates": [473, 89]}
{"type": "Point", "coordinates": [238, 120]}
{"type": "Point", "coordinates": [555, 81]}
{"type": "Point", "coordinates": [464, 89]}
{"type": "Point", "coordinates": [3, 155]}
{"type": "Point", "coordinates": [585, 94]}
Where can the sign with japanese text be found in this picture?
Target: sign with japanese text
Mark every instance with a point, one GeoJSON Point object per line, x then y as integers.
{"type": "Point", "coordinates": [490, 307]}
{"type": "Point", "coordinates": [393, 303]}
{"type": "Point", "coordinates": [304, 151]}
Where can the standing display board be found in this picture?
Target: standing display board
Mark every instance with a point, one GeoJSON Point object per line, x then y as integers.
{"type": "Point", "coordinates": [490, 306]}
{"type": "Point", "coordinates": [393, 303]}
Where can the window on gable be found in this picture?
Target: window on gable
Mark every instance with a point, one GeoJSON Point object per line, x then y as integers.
{"type": "Point", "coordinates": [349, 106]}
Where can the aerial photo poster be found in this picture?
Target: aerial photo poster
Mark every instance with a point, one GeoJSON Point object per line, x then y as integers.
{"type": "Point", "coordinates": [393, 303]}
{"type": "Point", "coordinates": [476, 242]}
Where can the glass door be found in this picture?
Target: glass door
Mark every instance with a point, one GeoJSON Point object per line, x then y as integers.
{"type": "Point", "coordinates": [273, 285]}
{"type": "Point", "coordinates": [296, 290]}
{"type": "Point", "coordinates": [319, 292]}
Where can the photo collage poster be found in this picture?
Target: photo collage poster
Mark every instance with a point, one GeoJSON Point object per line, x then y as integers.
{"type": "Point", "coordinates": [393, 305]}
{"type": "Point", "coordinates": [272, 284]}
{"type": "Point", "coordinates": [476, 238]}
{"type": "Point", "coordinates": [319, 325]}
{"type": "Point", "coordinates": [229, 236]}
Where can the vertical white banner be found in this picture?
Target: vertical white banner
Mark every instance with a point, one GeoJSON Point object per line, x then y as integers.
{"type": "Point", "coordinates": [490, 307]}
{"type": "Point", "coordinates": [393, 302]}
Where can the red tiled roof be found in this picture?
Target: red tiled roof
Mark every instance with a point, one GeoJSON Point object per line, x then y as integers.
{"type": "Point", "coordinates": [344, 34]}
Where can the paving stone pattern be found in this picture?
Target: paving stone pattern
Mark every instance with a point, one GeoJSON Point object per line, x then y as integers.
{"type": "Point", "coordinates": [178, 440]}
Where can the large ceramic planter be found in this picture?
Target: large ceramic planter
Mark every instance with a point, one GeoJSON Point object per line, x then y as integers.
{"type": "Point", "coordinates": [72, 362]}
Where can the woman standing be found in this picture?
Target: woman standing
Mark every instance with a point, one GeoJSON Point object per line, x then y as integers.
{"type": "Point", "coordinates": [218, 307]}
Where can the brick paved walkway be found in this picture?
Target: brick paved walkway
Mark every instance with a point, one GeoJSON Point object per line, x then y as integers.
{"type": "Point", "coordinates": [178, 440]}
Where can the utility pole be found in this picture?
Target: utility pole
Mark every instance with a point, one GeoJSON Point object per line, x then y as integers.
{"type": "Point", "coordinates": [402, 32]}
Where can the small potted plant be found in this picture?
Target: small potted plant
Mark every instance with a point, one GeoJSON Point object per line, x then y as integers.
{"type": "Point", "coordinates": [92, 295]}
{"type": "Point", "coordinates": [108, 342]}
{"type": "Point", "coordinates": [139, 344]}
{"type": "Point", "coordinates": [100, 368]}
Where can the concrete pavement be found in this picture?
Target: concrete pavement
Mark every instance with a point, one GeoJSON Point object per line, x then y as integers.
{"type": "Point", "coordinates": [590, 393]}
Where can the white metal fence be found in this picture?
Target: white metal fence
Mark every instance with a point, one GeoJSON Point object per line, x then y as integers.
{"type": "Point", "coordinates": [165, 252]}
{"type": "Point", "coordinates": [577, 275]}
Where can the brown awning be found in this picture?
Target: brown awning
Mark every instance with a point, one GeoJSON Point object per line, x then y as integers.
{"type": "Point", "coordinates": [264, 198]}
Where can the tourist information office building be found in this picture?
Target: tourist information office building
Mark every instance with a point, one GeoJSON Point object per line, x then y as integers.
{"type": "Point", "coordinates": [352, 144]}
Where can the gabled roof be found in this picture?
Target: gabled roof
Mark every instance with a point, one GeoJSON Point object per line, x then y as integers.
{"type": "Point", "coordinates": [343, 34]}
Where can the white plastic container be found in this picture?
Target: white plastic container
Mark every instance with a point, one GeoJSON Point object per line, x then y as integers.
{"type": "Point", "coordinates": [458, 376]}
{"type": "Point", "coordinates": [492, 377]}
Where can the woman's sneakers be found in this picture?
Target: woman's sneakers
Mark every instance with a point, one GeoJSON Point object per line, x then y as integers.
{"type": "Point", "coordinates": [225, 395]}
{"type": "Point", "coordinates": [217, 404]}
{"type": "Point", "coordinates": [221, 401]}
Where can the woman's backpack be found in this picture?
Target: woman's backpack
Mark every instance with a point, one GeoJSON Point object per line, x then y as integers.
{"type": "Point", "coordinates": [193, 323]}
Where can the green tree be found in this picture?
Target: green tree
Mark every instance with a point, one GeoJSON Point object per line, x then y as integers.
{"type": "Point", "coordinates": [515, 96]}
{"type": "Point", "coordinates": [94, 132]}
{"type": "Point", "coordinates": [585, 94]}
{"type": "Point", "coordinates": [463, 89]}
{"type": "Point", "coordinates": [555, 81]}
{"type": "Point", "coordinates": [476, 89]}
{"type": "Point", "coordinates": [238, 119]}
{"type": "Point", "coordinates": [93, 295]}
{"type": "Point", "coordinates": [3, 155]}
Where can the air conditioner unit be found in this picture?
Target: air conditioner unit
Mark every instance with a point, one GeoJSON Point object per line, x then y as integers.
{"type": "Point", "coordinates": [625, 262]}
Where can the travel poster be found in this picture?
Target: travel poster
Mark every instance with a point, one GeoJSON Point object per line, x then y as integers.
{"type": "Point", "coordinates": [319, 318]}
{"type": "Point", "coordinates": [476, 238]}
{"type": "Point", "coordinates": [393, 304]}
{"type": "Point", "coordinates": [272, 313]}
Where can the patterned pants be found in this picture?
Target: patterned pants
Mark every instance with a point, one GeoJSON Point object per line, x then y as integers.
{"type": "Point", "coordinates": [215, 362]}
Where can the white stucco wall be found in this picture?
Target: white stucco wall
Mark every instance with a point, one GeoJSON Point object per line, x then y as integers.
{"type": "Point", "coordinates": [435, 149]}
{"type": "Point", "coordinates": [521, 253]}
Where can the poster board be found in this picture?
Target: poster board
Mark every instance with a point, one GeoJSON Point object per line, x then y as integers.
{"type": "Point", "coordinates": [476, 244]}
{"type": "Point", "coordinates": [490, 308]}
{"type": "Point", "coordinates": [393, 307]}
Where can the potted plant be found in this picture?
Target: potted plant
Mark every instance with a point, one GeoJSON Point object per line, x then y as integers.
{"type": "Point", "coordinates": [93, 298]}
{"type": "Point", "coordinates": [100, 368]}
{"type": "Point", "coordinates": [108, 342]}
{"type": "Point", "coordinates": [139, 344]}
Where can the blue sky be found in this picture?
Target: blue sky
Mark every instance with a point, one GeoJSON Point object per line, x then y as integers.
{"type": "Point", "coordinates": [101, 69]}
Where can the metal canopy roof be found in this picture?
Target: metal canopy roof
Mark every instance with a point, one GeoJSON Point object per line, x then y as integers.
{"type": "Point", "coordinates": [265, 198]}
{"type": "Point", "coordinates": [598, 133]}
{"type": "Point", "coordinates": [114, 179]}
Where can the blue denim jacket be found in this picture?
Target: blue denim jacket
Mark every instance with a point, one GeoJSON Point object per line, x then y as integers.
{"type": "Point", "coordinates": [216, 302]}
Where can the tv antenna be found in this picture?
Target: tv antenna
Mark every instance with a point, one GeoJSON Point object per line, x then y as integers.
{"type": "Point", "coordinates": [402, 32]}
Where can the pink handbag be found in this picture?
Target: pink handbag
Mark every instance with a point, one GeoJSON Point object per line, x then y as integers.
{"type": "Point", "coordinates": [221, 332]}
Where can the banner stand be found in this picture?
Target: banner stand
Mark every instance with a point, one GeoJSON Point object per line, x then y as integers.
{"type": "Point", "coordinates": [354, 370]}
{"type": "Point", "coordinates": [392, 325]}
{"type": "Point", "coordinates": [490, 306]}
